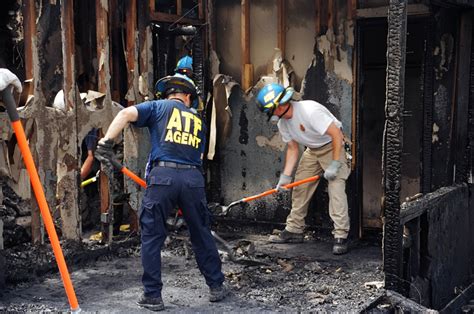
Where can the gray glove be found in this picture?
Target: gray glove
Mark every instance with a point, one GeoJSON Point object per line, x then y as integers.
{"type": "Point", "coordinates": [8, 78]}
{"type": "Point", "coordinates": [284, 180]}
{"type": "Point", "coordinates": [104, 152]}
{"type": "Point", "coordinates": [332, 170]}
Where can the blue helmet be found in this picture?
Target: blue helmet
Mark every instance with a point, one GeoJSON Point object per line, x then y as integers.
{"type": "Point", "coordinates": [185, 66]}
{"type": "Point", "coordinates": [271, 96]}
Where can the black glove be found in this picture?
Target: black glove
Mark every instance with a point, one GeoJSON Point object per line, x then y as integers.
{"type": "Point", "coordinates": [105, 152]}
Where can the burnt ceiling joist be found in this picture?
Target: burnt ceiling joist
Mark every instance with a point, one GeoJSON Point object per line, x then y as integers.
{"type": "Point", "coordinates": [454, 3]}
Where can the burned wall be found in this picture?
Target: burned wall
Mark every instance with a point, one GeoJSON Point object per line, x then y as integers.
{"type": "Point", "coordinates": [253, 155]}
{"type": "Point", "coordinates": [445, 32]}
{"type": "Point", "coordinates": [449, 256]}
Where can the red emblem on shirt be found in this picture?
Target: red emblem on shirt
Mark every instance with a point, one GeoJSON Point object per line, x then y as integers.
{"type": "Point", "coordinates": [302, 128]}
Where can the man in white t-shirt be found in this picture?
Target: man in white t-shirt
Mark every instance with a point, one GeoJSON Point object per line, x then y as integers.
{"type": "Point", "coordinates": [310, 124]}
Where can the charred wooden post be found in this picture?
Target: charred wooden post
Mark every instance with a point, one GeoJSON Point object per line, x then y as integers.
{"type": "Point", "coordinates": [199, 62]}
{"type": "Point", "coordinates": [29, 28]}
{"type": "Point", "coordinates": [428, 101]}
{"type": "Point", "coordinates": [103, 56]}
{"type": "Point", "coordinates": [281, 36]}
{"type": "Point", "coordinates": [393, 143]}
{"type": "Point", "coordinates": [247, 67]}
{"type": "Point", "coordinates": [133, 97]}
{"type": "Point", "coordinates": [68, 163]}
{"type": "Point", "coordinates": [471, 110]}
{"type": "Point", "coordinates": [462, 99]}
{"type": "Point", "coordinates": [40, 119]}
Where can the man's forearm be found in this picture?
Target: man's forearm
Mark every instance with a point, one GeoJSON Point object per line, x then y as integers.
{"type": "Point", "coordinates": [125, 116]}
{"type": "Point", "coordinates": [292, 154]}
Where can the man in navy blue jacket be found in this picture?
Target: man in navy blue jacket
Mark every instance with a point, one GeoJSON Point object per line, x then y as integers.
{"type": "Point", "coordinates": [177, 145]}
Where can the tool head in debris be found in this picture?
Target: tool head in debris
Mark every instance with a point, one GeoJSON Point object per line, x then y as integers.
{"type": "Point", "coordinates": [225, 209]}
{"type": "Point", "coordinates": [230, 251]}
{"type": "Point", "coordinates": [273, 95]}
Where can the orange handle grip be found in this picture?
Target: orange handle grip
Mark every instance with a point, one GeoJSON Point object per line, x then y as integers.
{"type": "Point", "coordinates": [288, 186]}
{"type": "Point", "coordinates": [134, 177]}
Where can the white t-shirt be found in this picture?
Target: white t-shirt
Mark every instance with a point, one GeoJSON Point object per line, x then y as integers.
{"type": "Point", "coordinates": [308, 124]}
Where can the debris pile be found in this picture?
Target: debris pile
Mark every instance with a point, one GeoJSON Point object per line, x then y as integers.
{"type": "Point", "coordinates": [16, 216]}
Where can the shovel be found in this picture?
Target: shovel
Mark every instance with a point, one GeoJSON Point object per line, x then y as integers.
{"type": "Point", "coordinates": [225, 245]}
{"type": "Point", "coordinates": [225, 209]}
{"type": "Point", "coordinates": [128, 173]}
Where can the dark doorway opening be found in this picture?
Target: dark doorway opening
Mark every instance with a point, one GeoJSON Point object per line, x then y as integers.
{"type": "Point", "coordinates": [372, 65]}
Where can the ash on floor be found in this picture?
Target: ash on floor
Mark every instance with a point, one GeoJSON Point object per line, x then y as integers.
{"type": "Point", "coordinates": [292, 277]}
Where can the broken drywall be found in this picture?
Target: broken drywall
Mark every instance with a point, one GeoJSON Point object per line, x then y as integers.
{"type": "Point", "coordinates": [220, 124]}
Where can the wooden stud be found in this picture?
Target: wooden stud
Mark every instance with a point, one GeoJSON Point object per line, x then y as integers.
{"type": "Point", "coordinates": [29, 24]}
{"type": "Point", "coordinates": [131, 46]}
{"type": "Point", "coordinates": [102, 30]}
{"type": "Point", "coordinates": [67, 184]}
{"type": "Point", "coordinates": [29, 14]}
{"type": "Point", "coordinates": [201, 9]}
{"type": "Point", "coordinates": [351, 9]}
{"type": "Point", "coordinates": [179, 7]}
{"type": "Point", "coordinates": [323, 16]}
{"type": "Point", "coordinates": [152, 6]}
{"type": "Point", "coordinates": [282, 26]}
{"type": "Point", "coordinates": [172, 18]}
{"type": "Point", "coordinates": [317, 17]}
{"type": "Point", "coordinates": [330, 8]}
{"type": "Point", "coordinates": [247, 69]}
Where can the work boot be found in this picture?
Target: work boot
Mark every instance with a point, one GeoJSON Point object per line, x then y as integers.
{"type": "Point", "coordinates": [340, 246]}
{"type": "Point", "coordinates": [286, 236]}
{"type": "Point", "coordinates": [218, 293]}
{"type": "Point", "coordinates": [151, 303]}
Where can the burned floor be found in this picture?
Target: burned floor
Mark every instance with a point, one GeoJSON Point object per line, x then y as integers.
{"type": "Point", "coordinates": [261, 276]}
{"type": "Point", "coordinates": [298, 277]}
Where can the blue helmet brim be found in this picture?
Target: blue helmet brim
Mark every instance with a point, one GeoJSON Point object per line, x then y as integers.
{"type": "Point", "coordinates": [287, 96]}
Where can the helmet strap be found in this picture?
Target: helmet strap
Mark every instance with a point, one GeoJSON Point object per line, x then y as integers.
{"type": "Point", "coordinates": [288, 108]}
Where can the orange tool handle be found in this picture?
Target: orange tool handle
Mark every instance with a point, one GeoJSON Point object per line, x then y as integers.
{"type": "Point", "coordinates": [40, 198]}
{"type": "Point", "coordinates": [288, 186]}
{"type": "Point", "coordinates": [133, 176]}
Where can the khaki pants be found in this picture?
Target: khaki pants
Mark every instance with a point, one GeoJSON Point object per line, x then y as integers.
{"type": "Point", "coordinates": [313, 162]}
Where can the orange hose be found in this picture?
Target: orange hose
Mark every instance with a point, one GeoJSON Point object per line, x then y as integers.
{"type": "Point", "coordinates": [134, 177]}
{"type": "Point", "coordinates": [45, 213]}
{"type": "Point", "coordinates": [288, 186]}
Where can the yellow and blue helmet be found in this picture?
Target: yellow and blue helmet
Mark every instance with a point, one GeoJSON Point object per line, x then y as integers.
{"type": "Point", "coordinates": [273, 95]}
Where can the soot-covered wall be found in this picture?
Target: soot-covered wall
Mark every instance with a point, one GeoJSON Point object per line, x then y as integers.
{"type": "Point", "coordinates": [253, 156]}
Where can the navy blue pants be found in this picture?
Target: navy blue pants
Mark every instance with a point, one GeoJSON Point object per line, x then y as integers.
{"type": "Point", "coordinates": [167, 189]}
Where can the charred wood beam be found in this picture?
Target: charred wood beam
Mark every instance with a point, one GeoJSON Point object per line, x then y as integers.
{"type": "Point", "coordinates": [428, 101]}
{"type": "Point", "coordinates": [393, 143]}
{"type": "Point", "coordinates": [462, 99]}
{"type": "Point", "coordinates": [282, 27]}
{"type": "Point", "coordinates": [317, 17]}
{"type": "Point", "coordinates": [29, 26]}
{"type": "Point", "coordinates": [198, 62]}
{"type": "Point", "coordinates": [103, 47]}
{"type": "Point", "coordinates": [48, 79]}
{"type": "Point", "coordinates": [68, 163]}
{"type": "Point", "coordinates": [145, 48]}
{"type": "Point", "coordinates": [471, 107]}
{"type": "Point", "coordinates": [412, 9]}
{"type": "Point", "coordinates": [131, 52]}
{"type": "Point", "coordinates": [247, 67]}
